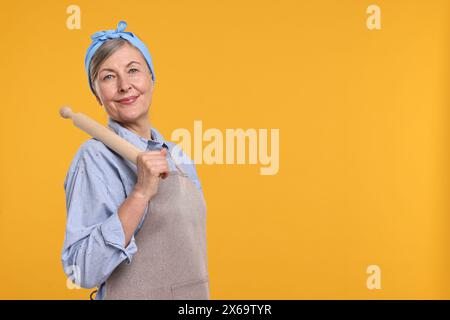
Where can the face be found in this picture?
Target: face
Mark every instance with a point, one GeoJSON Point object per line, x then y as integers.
{"type": "Point", "coordinates": [124, 85]}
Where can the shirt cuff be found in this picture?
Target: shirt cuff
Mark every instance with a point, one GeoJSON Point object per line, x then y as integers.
{"type": "Point", "coordinates": [113, 234]}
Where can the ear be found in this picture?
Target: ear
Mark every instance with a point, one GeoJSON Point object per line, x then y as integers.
{"type": "Point", "coordinates": [152, 84]}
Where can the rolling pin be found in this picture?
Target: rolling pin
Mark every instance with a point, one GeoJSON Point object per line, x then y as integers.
{"type": "Point", "coordinates": [105, 135]}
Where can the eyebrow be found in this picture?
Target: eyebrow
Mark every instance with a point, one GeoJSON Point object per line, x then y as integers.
{"type": "Point", "coordinates": [130, 63]}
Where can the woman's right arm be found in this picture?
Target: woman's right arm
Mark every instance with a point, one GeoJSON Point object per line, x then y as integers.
{"type": "Point", "coordinates": [94, 244]}
{"type": "Point", "coordinates": [99, 229]}
{"type": "Point", "coordinates": [149, 167]}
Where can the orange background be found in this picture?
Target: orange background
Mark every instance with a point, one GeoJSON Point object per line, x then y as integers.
{"type": "Point", "coordinates": [364, 139]}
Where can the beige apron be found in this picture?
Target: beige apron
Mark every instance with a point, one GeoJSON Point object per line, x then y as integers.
{"type": "Point", "coordinates": [171, 261]}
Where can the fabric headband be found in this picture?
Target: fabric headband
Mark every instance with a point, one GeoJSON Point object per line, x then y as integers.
{"type": "Point", "coordinates": [101, 37]}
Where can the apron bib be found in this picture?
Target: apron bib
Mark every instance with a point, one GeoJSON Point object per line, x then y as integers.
{"type": "Point", "coordinates": [171, 261]}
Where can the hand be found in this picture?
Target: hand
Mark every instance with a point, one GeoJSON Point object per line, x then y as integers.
{"type": "Point", "coordinates": [151, 166]}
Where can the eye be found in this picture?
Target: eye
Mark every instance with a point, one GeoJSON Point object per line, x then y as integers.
{"type": "Point", "coordinates": [133, 70]}
{"type": "Point", "coordinates": [107, 77]}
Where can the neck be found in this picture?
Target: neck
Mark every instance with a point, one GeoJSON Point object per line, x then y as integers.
{"type": "Point", "coordinates": [141, 127]}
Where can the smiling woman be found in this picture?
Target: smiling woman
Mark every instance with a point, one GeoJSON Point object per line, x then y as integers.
{"type": "Point", "coordinates": [115, 207]}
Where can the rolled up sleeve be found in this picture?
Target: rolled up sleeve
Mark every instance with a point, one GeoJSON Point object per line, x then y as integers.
{"type": "Point", "coordinates": [114, 235]}
{"type": "Point", "coordinates": [94, 243]}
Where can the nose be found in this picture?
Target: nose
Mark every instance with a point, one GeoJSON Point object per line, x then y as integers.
{"type": "Point", "coordinates": [124, 85]}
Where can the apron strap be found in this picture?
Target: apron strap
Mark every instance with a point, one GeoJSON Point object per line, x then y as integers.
{"type": "Point", "coordinates": [181, 171]}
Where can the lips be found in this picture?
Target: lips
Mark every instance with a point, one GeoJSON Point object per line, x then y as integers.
{"type": "Point", "coordinates": [128, 100]}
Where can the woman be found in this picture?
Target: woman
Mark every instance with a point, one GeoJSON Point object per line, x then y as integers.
{"type": "Point", "coordinates": [134, 231]}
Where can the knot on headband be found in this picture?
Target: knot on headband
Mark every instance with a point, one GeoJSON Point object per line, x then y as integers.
{"type": "Point", "coordinates": [110, 34]}
{"type": "Point", "coordinates": [101, 37]}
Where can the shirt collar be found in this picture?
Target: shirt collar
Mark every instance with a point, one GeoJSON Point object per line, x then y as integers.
{"type": "Point", "coordinates": [142, 143]}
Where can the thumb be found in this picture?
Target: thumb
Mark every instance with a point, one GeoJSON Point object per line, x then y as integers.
{"type": "Point", "coordinates": [164, 151]}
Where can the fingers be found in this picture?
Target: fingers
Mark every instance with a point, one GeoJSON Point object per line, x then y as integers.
{"type": "Point", "coordinates": [155, 162]}
{"type": "Point", "coordinates": [164, 174]}
{"type": "Point", "coordinates": [159, 154]}
{"type": "Point", "coordinates": [156, 170]}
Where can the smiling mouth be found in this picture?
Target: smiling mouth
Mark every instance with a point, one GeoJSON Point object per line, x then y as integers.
{"type": "Point", "coordinates": [129, 100]}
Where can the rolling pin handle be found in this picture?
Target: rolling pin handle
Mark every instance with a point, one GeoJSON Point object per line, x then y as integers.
{"type": "Point", "coordinates": [66, 112]}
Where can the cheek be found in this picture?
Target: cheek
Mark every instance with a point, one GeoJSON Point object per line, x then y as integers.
{"type": "Point", "coordinates": [143, 82]}
{"type": "Point", "coordinates": [143, 85]}
{"type": "Point", "coordinates": [106, 90]}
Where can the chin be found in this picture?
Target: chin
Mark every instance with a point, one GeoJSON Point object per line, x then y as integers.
{"type": "Point", "coordinates": [132, 115]}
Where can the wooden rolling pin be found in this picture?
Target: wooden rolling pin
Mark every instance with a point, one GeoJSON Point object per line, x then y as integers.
{"type": "Point", "coordinates": [105, 135]}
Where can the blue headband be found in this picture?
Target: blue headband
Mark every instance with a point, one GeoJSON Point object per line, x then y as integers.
{"type": "Point", "coordinates": [101, 37]}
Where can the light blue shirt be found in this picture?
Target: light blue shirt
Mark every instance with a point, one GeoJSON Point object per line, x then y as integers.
{"type": "Point", "coordinates": [96, 184]}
